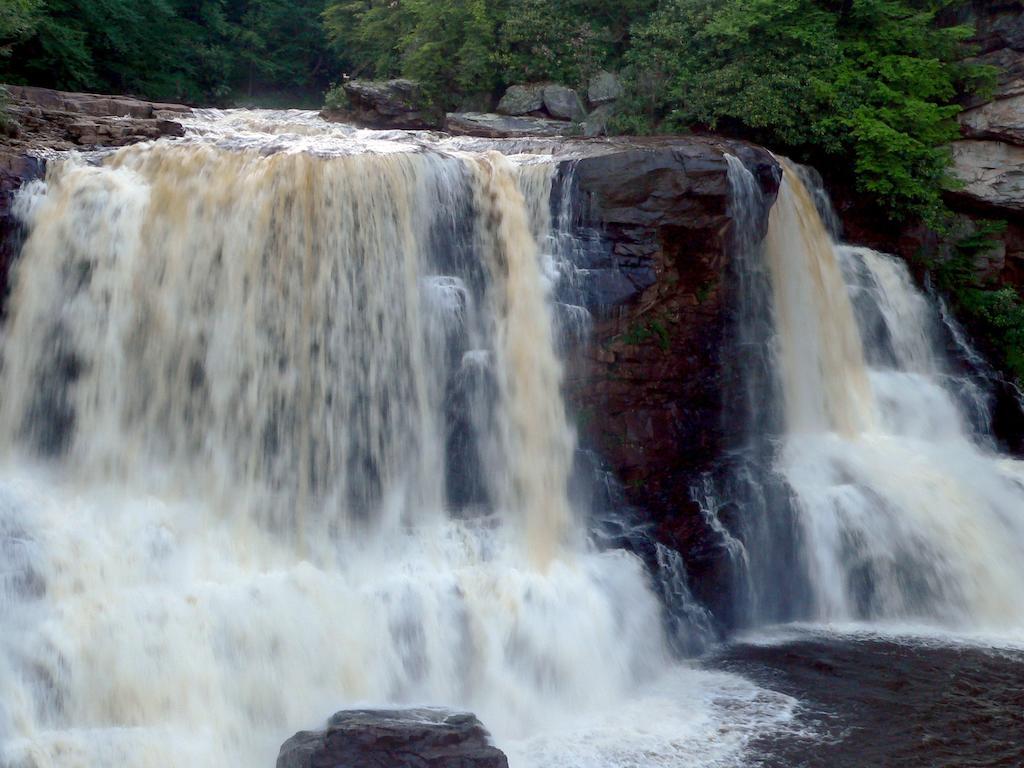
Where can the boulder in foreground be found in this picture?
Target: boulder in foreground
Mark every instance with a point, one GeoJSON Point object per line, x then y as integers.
{"type": "Point", "coordinates": [402, 738]}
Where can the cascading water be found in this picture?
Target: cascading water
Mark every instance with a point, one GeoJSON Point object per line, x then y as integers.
{"type": "Point", "coordinates": [283, 433]}
{"type": "Point", "coordinates": [895, 505]}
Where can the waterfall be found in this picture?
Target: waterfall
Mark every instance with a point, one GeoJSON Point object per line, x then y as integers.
{"type": "Point", "coordinates": [896, 506]}
{"type": "Point", "coordinates": [283, 433]}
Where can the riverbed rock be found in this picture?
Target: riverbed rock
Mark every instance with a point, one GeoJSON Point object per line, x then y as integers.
{"type": "Point", "coordinates": [388, 104]}
{"type": "Point", "coordinates": [402, 738]}
{"type": "Point", "coordinates": [563, 103]}
{"type": "Point", "coordinates": [603, 88]}
{"type": "Point", "coordinates": [522, 100]}
{"type": "Point", "coordinates": [60, 120]}
{"type": "Point", "coordinates": [992, 174]}
{"type": "Point", "coordinates": [506, 126]}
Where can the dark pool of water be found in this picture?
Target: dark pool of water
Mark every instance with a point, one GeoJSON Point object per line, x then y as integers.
{"type": "Point", "coordinates": [892, 702]}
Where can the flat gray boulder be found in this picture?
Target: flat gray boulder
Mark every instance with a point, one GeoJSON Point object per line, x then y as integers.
{"type": "Point", "coordinates": [397, 104]}
{"type": "Point", "coordinates": [506, 127]}
{"type": "Point", "coordinates": [397, 738]}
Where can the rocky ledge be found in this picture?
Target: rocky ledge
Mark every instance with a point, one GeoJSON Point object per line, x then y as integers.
{"type": "Point", "coordinates": [404, 738]}
{"type": "Point", "coordinates": [57, 120]}
{"type": "Point", "coordinates": [40, 121]}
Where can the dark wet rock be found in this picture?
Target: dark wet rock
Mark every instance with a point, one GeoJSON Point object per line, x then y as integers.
{"type": "Point", "coordinates": [648, 388]}
{"type": "Point", "coordinates": [503, 126]}
{"type": "Point", "coordinates": [563, 103]}
{"type": "Point", "coordinates": [15, 170]}
{"type": "Point", "coordinates": [522, 100]}
{"type": "Point", "coordinates": [604, 87]}
{"type": "Point", "coordinates": [397, 104]}
{"type": "Point", "coordinates": [403, 738]}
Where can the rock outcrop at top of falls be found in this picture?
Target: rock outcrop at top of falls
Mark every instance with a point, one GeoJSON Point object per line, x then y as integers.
{"type": "Point", "coordinates": [42, 120]}
{"type": "Point", "coordinates": [404, 738]}
{"type": "Point", "coordinates": [650, 384]}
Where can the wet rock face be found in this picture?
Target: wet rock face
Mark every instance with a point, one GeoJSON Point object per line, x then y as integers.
{"type": "Point", "coordinates": [992, 173]}
{"type": "Point", "coordinates": [648, 386]}
{"type": "Point", "coordinates": [998, 39]}
{"type": "Point", "coordinates": [990, 161]}
{"type": "Point", "coordinates": [15, 170]}
{"type": "Point", "coordinates": [405, 738]}
{"type": "Point", "coordinates": [999, 120]}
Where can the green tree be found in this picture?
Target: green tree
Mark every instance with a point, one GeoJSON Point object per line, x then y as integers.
{"type": "Point", "coordinates": [17, 20]}
{"type": "Point", "coordinates": [449, 48]}
{"type": "Point", "coordinates": [366, 36]}
{"type": "Point", "coordinates": [868, 82]}
{"type": "Point", "coordinates": [893, 90]}
{"type": "Point", "coordinates": [279, 44]}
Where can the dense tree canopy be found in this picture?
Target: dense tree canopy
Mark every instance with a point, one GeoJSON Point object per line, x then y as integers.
{"type": "Point", "coordinates": [211, 51]}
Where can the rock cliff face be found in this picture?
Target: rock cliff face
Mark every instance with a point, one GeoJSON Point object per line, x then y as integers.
{"type": "Point", "coordinates": [648, 386]}
{"type": "Point", "coordinates": [989, 160]}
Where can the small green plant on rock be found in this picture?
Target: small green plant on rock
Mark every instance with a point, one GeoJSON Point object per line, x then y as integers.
{"type": "Point", "coordinates": [639, 333]}
{"type": "Point", "coordinates": [994, 312]}
{"type": "Point", "coordinates": [336, 98]}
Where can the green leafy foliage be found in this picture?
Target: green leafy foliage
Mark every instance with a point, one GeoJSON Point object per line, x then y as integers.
{"type": "Point", "coordinates": [654, 331]}
{"type": "Point", "coordinates": [17, 20]}
{"type": "Point", "coordinates": [200, 50]}
{"type": "Point", "coordinates": [868, 82]}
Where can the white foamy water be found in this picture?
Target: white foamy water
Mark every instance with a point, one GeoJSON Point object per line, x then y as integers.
{"type": "Point", "coordinates": [904, 513]}
{"type": "Point", "coordinates": [284, 434]}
